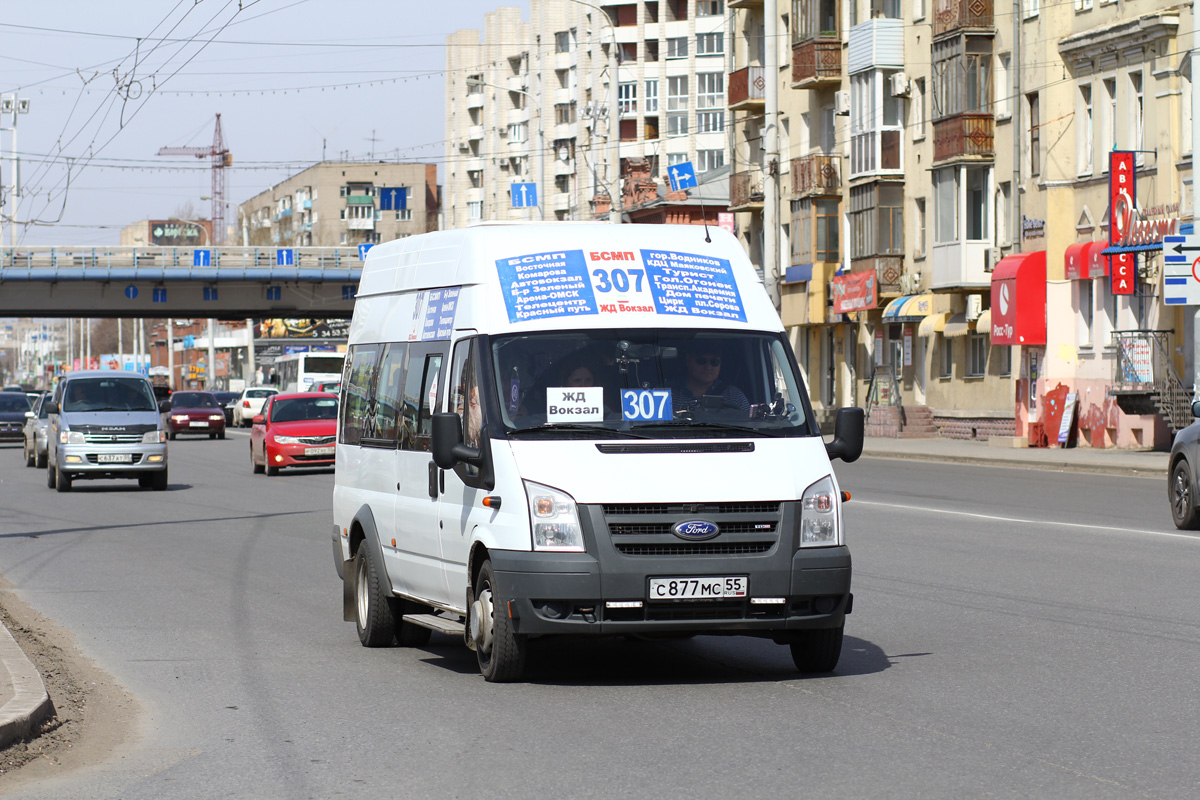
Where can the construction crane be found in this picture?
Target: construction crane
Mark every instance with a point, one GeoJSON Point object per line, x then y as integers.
{"type": "Point", "coordinates": [221, 158]}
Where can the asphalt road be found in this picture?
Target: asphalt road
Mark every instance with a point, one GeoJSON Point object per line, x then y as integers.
{"type": "Point", "coordinates": [1015, 634]}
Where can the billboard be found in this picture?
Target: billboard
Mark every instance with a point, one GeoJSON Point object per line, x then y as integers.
{"type": "Point", "coordinates": [280, 328]}
{"type": "Point", "coordinates": [180, 233]}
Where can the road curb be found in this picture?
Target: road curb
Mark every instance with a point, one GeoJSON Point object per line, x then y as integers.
{"type": "Point", "coordinates": [29, 704]}
{"type": "Point", "coordinates": [1055, 466]}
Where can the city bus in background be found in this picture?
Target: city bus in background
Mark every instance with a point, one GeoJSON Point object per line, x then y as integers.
{"type": "Point", "coordinates": [299, 371]}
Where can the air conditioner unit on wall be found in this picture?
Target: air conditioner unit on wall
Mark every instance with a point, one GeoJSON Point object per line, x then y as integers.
{"type": "Point", "coordinates": [991, 258]}
{"type": "Point", "coordinates": [974, 306]}
{"type": "Point", "coordinates": [841, 102]}
{"type": "Point", "coordinates": [910, 283]}
{"type": "Point", "coordinates": [898, 84]}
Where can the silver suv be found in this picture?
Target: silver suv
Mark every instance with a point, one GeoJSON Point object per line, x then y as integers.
{"type": "Point", "coordinates": [106, 424]}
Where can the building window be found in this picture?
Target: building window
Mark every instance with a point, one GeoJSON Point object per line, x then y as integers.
{"type": "Point", "coordinates": [1005, 354]}
{"type": "Point", "coordinates": [518, 131]}
{"type": "Point", "coordinates": [677, 105]}
{"type": "Point", "coordinates": [1109, 138]}
{"type": "Point", "coordinates": [710, 8]}
{"type": "Point", "coordinates": [816, 227]}
{"type": "Point", "coordinates": [1086, 309]}
{"type": "Point", "coordinates": [977, 179]}
{"type": "Point", "coordinates": [1185, 114]}
{"type": "Point", "coordinates": [676, 158]}
{"type": "Point", "coordinates": [1031, 8]}
{"type": "Point", "coordinates": [651, 101]}
{"type": "Point", "coordinates": [1083, 132]}
{"type": "Point", "coordinates": [709, 160]}
{"type": "Point", "coordinates": [564, 113]}
{"type": "Point", "coordinates": [627, 97]}
{"type": "Point", "coordinates": [1137, 119]}
{"type": "Point", "coordinates": [876, 220]}
{"type": "Point", "coordinates": [404, 215]}
{"type": "Point", "coordinates": [562, 42]}
{"type": "Point", "coordinates": [1035, 135]}
{"type": "Point", "coordinates": [475, 209]}
{"type": "Point", "coordinates": [562, 184]}
{"type": "Point", "coordinates": [977, 363]}
{"type": "Point", "coordinates": [475, 176]}
{"type": "Point", "coordinates": [677, 47]}
{"type": "Point", "coordinates": [1003, 206]}
{"type": "Point", "coordinates": [1004, 89]}
{"type": "Point", "coordinates": [919, 245]}
{"type": "Point", "coordinates": [917, 109]}
{"type": "Point", "coordinates": [961, 81]}
{"type": "Point", "coordinates": [946, 363]}
{"type": "Point", "coordinates": [815, 18]}
{"type": "Point", "coordinates": [945, 205]}
{"type": "Point", "coordinates": [710, 102]}
{"type": "Point", "coordinates": [710, 44]}
{"type": "Point", "coordinates": [875, 125]}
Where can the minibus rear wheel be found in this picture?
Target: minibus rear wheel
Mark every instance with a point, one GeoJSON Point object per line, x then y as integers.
{"type": "Point", "coordinates": [817, 650]}
{"type": "Point", "coordinates": [373, 613]}
{"type": "Point", "coordinates": [500, 650]}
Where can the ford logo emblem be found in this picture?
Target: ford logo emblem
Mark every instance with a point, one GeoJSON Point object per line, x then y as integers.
{"type": "Point", "coordinates": [695, 530]}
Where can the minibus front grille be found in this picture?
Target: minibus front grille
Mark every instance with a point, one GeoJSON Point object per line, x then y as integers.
{"type": "Point", "coordinates": [678, 509]}
{"type": "Point", "coordinates": [656, 528]}
{"type": "Point", "coordinates": [694, 549]}
{"type": "Point", "coordinates": [677, 447]}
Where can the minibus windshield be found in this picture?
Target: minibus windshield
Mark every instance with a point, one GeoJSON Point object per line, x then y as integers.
{"type": "Point", "coordinates": [648, 383]}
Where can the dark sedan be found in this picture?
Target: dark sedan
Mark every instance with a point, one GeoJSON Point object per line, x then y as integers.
{"type": "Point", "coordinates": [13, 406]}
{"type": "Point", "coordinates": [227, 400]}
{"type": "Point", "coordinates": [1182, 474]}
{"type": "Point", "coordinates": [195, 412]}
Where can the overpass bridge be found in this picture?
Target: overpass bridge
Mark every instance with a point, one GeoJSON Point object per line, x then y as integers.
{"type": "Point", "coordinates": [224, 282]}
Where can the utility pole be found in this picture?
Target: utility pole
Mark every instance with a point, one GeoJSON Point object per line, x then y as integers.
{"type": "Point", "coordinates": [171, 352]}
{"type": "Point", "coordinates": [13, 104]}
{"type": "Point", "coordinates": [614, 129]}
{"type": "Point", "coordinates": [770, 255]}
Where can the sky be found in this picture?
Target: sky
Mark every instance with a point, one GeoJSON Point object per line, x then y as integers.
{"type": "Point", "coordinates": [295, 81]}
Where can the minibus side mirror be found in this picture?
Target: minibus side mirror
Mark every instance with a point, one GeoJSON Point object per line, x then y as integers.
{"type": "Point", "coordinates": [448, 447]}
{"type": "Point", "coordinates": [51, 407]}
{"type": "Point", "coordinates": [848, 427]}
{"type": "Point", "coordinates": [1196, 408]}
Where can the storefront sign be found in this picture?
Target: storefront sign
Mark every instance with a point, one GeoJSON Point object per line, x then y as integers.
{"type": "Point", "coordinates": [1122, 193]}
{"type": "Point", "coordinates": [1137, 365]}
{"type": "Point", "coordinates": [1032, 228]}
{"type": "Point", "coordinates": [908, 342]}
{"type": "Point", "coordinates": [854, 292]}
{"type": "Point", "coordinates": [879, 347]}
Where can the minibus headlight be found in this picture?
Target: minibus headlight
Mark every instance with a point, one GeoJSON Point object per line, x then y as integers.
{"type": "Point", "coordinates": [820, 525]}
{"type": "Point", "coordinates": [154, 437]}
{"type": "Point", "coordinates": [555, 519]}
{"type": "Point", "coordinates": [70, 437]}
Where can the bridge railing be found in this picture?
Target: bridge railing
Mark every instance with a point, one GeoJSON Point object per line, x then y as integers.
{"type": "Point", "coordinates": [81, 262]}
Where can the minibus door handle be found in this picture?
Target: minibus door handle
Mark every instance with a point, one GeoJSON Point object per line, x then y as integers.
{"type": "Point", "coordinates": [433, 480]}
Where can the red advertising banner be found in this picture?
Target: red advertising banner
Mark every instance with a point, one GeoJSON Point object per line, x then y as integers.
{"type": "Point", "coordinates": [1122, 198]}
{"type": "Point", "coordinates": [854, 292]}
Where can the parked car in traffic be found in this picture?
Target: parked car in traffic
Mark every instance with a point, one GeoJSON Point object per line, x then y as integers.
{"type": "Point", "coordinates": [328, 386]}
{"type": "Point", "coordinates": [37, 421]}
{"type": "Point", "coordinates": [13, 406]}
{"type": "Point", "coordinates": [250, 404]}
{"type": "Point", "coordinates": [105, 424]}
{"type": "Point", "coordinates": [1182, 473]}
{"type": "Point", "coordinates": [196, 412]}
{"type": "Point", "coordinates": [227, 400]}
{"type": "Point", "coordinates": [294, 430]}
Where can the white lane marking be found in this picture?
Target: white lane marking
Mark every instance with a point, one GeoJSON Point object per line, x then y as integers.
{"type": "Point", "coordinates": [1018, 520]}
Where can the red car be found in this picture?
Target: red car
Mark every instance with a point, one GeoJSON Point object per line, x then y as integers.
{"type": "Point", "coordinates": [196, 412]}
{"type": "Point", "coordinates": [294, 430]}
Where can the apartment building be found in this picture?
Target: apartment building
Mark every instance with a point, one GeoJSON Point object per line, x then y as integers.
{"type": "Point", "coordinates": [944, 243]}
{"type": "Point", "coordinates": [536, 103]}
{"type": "Point", "coordinates": [335, 203]}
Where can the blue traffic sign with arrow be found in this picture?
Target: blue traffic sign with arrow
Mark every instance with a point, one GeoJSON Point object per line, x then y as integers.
{"type": "Point", "coordinates": [393, 199]}
{"type": "Point", "coordinates": [682, 175]}
{"type": "Point", "coordinates": [524, 195]}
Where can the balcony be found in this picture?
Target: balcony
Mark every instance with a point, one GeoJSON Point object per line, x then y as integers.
{"type": "Point", "coordinates": [964, 136]}
{"type": "Point", "coordinates": [306, 204]}
{"type": "Point", "coordinates": [952, 16]}
{"type": "Point", "coordinates": [361, 223]}
{"type": "Point", "coordinates": [817, 63]}
{"type": "Point", "coordinates": [475, 100]}
{"type": "Point", "coordinates": [745, 3]}
{"type": "Point", "coordinates": [475, 132]}
{"type": "Point", "coordinates": [817, 174]}
{"type": "Point", "coordinates": [876, 43]}
{"type": "Point", "coordinates": [888, 270]}
{"type": "Point", "coordinates": [746, 190]}
{"type": "Point", "coordinates": [747, 88]}
{"type": "Point", "coordinates": [515, 83]}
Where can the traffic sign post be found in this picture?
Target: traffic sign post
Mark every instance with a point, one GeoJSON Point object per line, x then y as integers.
{"type": "Point", "coordinates": [683, 176]}
{"type": "Point", "coordinates": [202, 258]}
{"type": "Point", "coordinates": [524, 195]}
{"type": "Point", "coordinates": [1181, 270]}
{"type": "Point", "coordinates": [285, 257]}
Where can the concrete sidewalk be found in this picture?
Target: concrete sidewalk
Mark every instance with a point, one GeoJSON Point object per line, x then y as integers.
{"type": "Point", "coordinates": [1148, 463]}
{"type": "Point", "coordinates": [23, 698]}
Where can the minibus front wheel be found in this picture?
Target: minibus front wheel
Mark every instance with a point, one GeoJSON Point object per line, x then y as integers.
{"type": "Point", "coordinates": [373, 613]}
{"type": "Point", "coordinates": [817, 650]}
{"type": "Point", "coordinates": [500, 650]}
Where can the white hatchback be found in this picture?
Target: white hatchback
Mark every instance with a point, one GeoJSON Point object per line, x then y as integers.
{"type": "Point", "coordinates": [250, 404]}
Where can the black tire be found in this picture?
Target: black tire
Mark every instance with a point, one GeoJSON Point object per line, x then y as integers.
{"type": "Point", "coordinates": [50, 477]}
{"type": "Point", "coordinates": [171, 436]}
{"type": "Point", "coordinates": [160, 482]}
{"type": "Point", "coordinates": [62, 481]}
{"type": "Point", "coordinates": [212, 436]}
{"type": "Point", "coordinates": [272, 471]}
{"type": "Point", "coordinates": [1183, 498]}
{"type": "Point", "coordinates": [407, 634]}
{"type": "Point", "coordinates": [221, 435]}
{"type": "Point", "coordinates": [373, 605]}
{"type": "Point", "coordinates": [30, 456]}
{"type": "Point", "coordinates": [145, 480]}
{"type": "Point", "coordinates": [817, 650]}
{"type": "Point", "coordinates": [256, 467]}
{"type": "Point", "coordinates": [500, 651]}
{"type": "Point", "coordinates": [41, 461]}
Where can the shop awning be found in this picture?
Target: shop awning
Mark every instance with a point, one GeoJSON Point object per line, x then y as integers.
{"type": "Point", "coordinates": [934, 323]}
{"type": "Point", "coordinates": [1116, 250]}
{"type": "Point", "coordinates": [909, 308]}
{"type": "Point", "coordinates": [984, 323]}
{"type": "Point", "coordinates": [1085, 261]}
{"type": "Point", "coordinates": [1019, 300]}
{"type": "Point", "coordinates": [957, 326]}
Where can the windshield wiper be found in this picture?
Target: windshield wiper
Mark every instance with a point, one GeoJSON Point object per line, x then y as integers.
{"type": "Point", "coordinates": [716, 426]}
{"type": "Point", "coordinates": [572, 427]}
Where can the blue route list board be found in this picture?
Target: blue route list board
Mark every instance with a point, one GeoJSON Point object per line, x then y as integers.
{"type": "Point", "coordinates": [543, 285]}
{"type": "Point", "coordinates": [693, 285]}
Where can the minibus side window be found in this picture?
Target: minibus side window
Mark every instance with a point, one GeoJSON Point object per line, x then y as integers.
{"type": "Point", "coordinates": [387, 396]}
{"type": "Point", "coordinates": [357, 407]}
{"type": "Point", "coordinates": [465, 397]}
{"type": "Point", "coordinates": [420, 397]}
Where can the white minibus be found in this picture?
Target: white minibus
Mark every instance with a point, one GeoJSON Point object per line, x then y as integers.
{"type": "Point", "coordinates": [298, 372]}
{"type": "Point", "coordinates": [582, 429]}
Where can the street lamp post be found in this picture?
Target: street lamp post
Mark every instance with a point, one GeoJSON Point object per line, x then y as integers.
{"type": "Point", "coordinates": [541, 172]}
{"type": "Point", "coordinates": [244, 224]}
{"type": "Point", "coordinates": [614, 120]}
